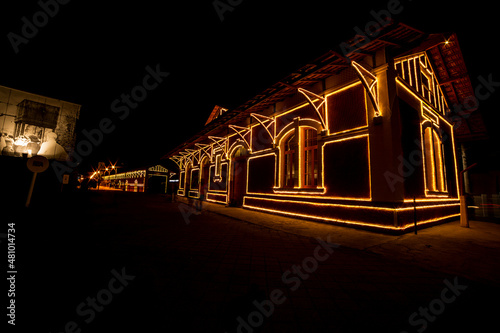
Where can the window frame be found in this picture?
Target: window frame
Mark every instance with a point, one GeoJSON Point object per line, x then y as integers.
{"type": "Point", "coordinates": [313, 165]}
{"type": "Point", "coordinates": [297, 155]}
{"type": "Point", "coordinates": [289, 172]}
{"type": "Point", "coordinates": [434, 161]}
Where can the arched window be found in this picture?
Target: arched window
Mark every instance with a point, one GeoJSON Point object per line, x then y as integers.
{"type": "Point", "coordinates": [310, 157]}
{"type": "Point", "coordinates": [434, 163]}
{"type": "Point", "coordinates": [299, 160]}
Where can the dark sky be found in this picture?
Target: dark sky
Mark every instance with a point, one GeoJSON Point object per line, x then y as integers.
{"type": "Point", "coordinates": [90, 53]}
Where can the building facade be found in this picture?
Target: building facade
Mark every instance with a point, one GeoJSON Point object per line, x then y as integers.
{"type": "Point", "coordinates": [152, 180]}
{"type": "Point", "coordinates": [364, 139]}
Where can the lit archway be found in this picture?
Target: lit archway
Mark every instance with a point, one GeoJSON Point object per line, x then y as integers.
{"type": "Point", "coordinates": [238, 174]}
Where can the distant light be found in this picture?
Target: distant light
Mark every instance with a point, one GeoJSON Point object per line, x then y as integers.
{"type": "Point", "coordinates": [446, 42]}
{"type": "Point", "coordinates": [173, 180]}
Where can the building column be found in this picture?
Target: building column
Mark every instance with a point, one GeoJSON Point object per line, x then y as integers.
{"type": "Point", "coordinates": [387, 181]}
{"type": "Point", "coordinates": [464, 166]}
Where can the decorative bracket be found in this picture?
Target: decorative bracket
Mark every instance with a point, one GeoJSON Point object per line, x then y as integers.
{"type": "Point", "coordinates": [177, 160]}
{"type": "Point", "coordinates": [314, 103]}
{"type": "Point", "coordinates": [195, 155]}
{"type": "Point", "coordinates": [205, 149]}
{"type": "Point", "coordinates": [272, 122]}
{"type": "Point", "coordinates": [239, 130]}
{"type": "Point", "coordinates": [186, 157]}
{"type": "Point", "coordinates": [369, 81]}
{"type": "Point", "coordinates": [223, 145]}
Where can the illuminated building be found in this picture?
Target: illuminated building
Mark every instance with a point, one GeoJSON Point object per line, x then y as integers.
{"type": "Point", "coordinates": [152, 179]}
{"type": "Point", "coordinates": [362, 140]}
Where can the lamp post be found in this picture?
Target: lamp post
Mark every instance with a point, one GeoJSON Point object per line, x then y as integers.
{"type": "Point", "coordinates": [98, 179]}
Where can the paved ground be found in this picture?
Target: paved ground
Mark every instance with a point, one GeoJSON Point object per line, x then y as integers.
{"type": "Point", "coordinates": [126, 262]}
{"type": "Point", "coordinates": [446, 247]}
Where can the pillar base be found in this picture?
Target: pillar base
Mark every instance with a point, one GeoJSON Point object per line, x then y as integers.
{"type": "Point", "coordinates": [464, 218]}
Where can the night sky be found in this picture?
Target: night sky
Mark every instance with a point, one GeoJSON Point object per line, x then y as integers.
{"type": "Point", "coordinates": [90, 53]}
